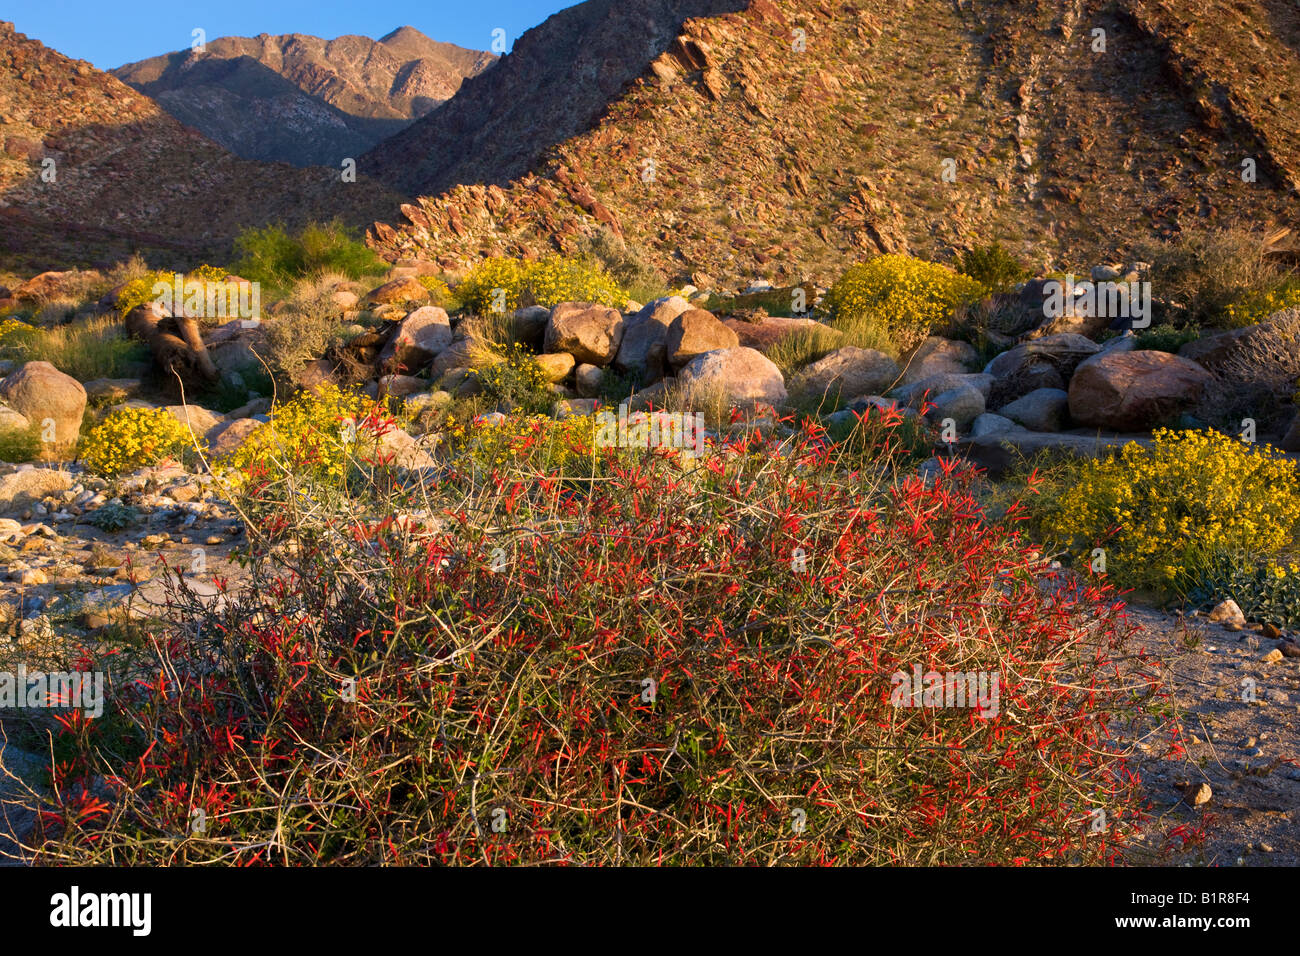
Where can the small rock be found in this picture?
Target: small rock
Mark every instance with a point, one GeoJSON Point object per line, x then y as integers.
{"type": "Point", "coordinates": [1228, 613]}
{"type": "Point", "coordinates": [1272, 657]}
{"type": "Point", "coordinates": [1197, 794]}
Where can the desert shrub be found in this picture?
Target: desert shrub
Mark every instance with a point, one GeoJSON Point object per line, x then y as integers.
{"type": "Point", "coordinates": [553, 280]}
{"type": "Point", "coordinates": [1202, 274]}
{"type": "Point", "coordinates": [900, 294]}
{"type": "Point", "coordinates": [1261, 376]}
{"type": "Point", "coordinates": [804, 346]}
{"type": "Point", "coordinates": [318, 435]}
{"type": "Point", "coordinates": [132, 438]}
{"type": "Point", "coordinates": [1167, 338]}
{"type": "Point", "coordinates": [562, 448]}
{"type": "Point", "coordinates": [113, 516]}
{"type": "Point", "coordinates": [440, 293]}
{"type": "Point", "coordinates": [1258, 306]}
{"type": "Point", "coordinates": [546, 282]}
{"type": "Point", "coordinates": [992, 267]}
{"type": "Point", "coordinates": [626, 264]}
{"type": "Point", "coordinates": [1161, 513]}
{"type": "Point", "coordinates": [478, 290]}
{"type": "Point", "coordinates": [305, 325]}
{"type": "Point", "coordinates": [517, 381]}
{"type": "Point", "coordinates": [663, 669]}
{"type": "Point", "coordinates": [270, 255]}
{"type": "Point", "coordinates": [57, 311]}
{"type": "Point", "coordinates": [1266, 589]}
{"type": "Point", "coordinates": [21, 444]}
{"type": "Point", "coordinates": [88, 349]}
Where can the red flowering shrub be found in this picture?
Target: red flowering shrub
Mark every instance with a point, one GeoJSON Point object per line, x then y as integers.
{"type": "Point", "coordinates": [662, 666]}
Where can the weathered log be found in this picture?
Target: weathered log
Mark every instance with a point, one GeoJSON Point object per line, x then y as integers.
{"type": "Point", "coordinates": [176, 343]}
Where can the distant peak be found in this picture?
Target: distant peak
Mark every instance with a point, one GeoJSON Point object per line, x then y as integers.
{"type": "Point", "coordinates": [405, 34]}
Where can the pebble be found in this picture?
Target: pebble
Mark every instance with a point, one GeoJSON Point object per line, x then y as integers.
{"type": "Point", "coordinates": [1272, 657]}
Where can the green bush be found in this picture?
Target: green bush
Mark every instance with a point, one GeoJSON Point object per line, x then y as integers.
{"type": "Point", "coordinates": [517, 381]}
{"type": "Point", "coordinates": [273, 257]}
{"type": "Point", "coordinates": [1167, 338]}
{"type": "Point", "coordinates": [20, 444]}
{"type": "Point", "coordinates": [992, 267]}
{"type": "Point", "coordinates": [1265, 590]}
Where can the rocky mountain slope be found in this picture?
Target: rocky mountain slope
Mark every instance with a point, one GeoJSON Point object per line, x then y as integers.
{"type": "Point", "coordinates": [786, 138]}
{"type": "Point", "coordinates": [302, 99]}
{"type": "Point", "coordinates": [90, 169]}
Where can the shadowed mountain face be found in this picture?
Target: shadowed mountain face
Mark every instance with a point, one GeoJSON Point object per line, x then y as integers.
{"type": "Point", "coordinates": [302, 99]}
{"type": "Point", "coordinates": [90, 169]}
{"type": "Point", "coordinates": [557, 81]}
{"type": "Point", "coordinates": [788, 138]}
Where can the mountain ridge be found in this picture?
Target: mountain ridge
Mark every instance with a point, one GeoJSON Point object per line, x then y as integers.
{"type": "Point", "coordinates": [901, 126]}
{"type": "Point", "coordinates": [301, 98]}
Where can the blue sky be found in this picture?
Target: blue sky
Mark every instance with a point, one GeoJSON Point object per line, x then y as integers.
{"type": "Point", "coordinates": [109, 34]}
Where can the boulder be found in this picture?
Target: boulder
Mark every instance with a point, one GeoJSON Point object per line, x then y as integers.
{"type": "Point", "coordinates": [772, 329]}
{"type": "Point", "coordinates": [464, 353]}
{"type": "Point", "coordinates": [315, 374]}
{"type": "Point", "coordinates": [404, 451]}
{"type": "Point", "coordinates": [43, 394]}
{"type": "Point", "coordinates": [1000, 451]}
{"type": "Point", "coordinates": [590, 333]}
{"type": "Point", "coordinates": [845, 373]}
{"type": "Point", "coordinates": [991, 424]}
{"type": "Point", "coordinates": [530, 325]}
{"type": "Point", "coordinates": [555, 366]}
{"type": "Point", "coordinates": [587, 379]}
{"type": "Point", "coordinates": [236, 345]}
{"type": "Point", "coordinates": [199, 419]}
{"type": "Point", "coordinates": [225, 438]}
{"type": "Point", "coordinates": [1042, 410]}
{"type": "Point", "coordinates": [939, 356]}
{"type": "Point", "coordinates": [1291, 440]}
{"type": "Point", "coordinates": [693, 333]}
{"type": "Point", "coordinates": [418, 339]}
{"type": "Point", "coordinates": [935, 384]}
{"type": "Point", "coordinates": [1061, 352]}
{"type": "Point", "coordinates": [1210, 351]}
{"type": "Point", "coordinates": [962, 404]}
{"type": "Point", "coordinates": [404, 289]}
{"type": "Point", "coordinates": [641, 352]}
{"type": "Point", "coordinates": [1135, 391]}
{"type": "Point", "coordinates": [739, 374]}
{"type": "Point", "coordinates": [108, 391]}
{"type": "Point", "coordinates": [399, 386]}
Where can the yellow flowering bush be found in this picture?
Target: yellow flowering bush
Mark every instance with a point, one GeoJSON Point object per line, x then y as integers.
{"type": "Point", "coordinates": [439, 292]}
{"type": "Point", "coordinates": [1161, 513]}
{"type": "Point", "coordinates": [534, 443]}
{"type": "Point", "coordinates": [132, 438]}
{"type": "Point", "coordinates": [554, 280]}
{"type": "Point", "coordinates": [140, 290]}
{"type": "Point", "coordinates": [546, 282]}
{"type": "Point", "coordinates": [906, 295]}
{"type": "Point", "coordinates": [1256, 308]}
{"type": "Point", "coordinates": [477, 291]}
{"type": "Point", "coordinates": [313, 435]}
